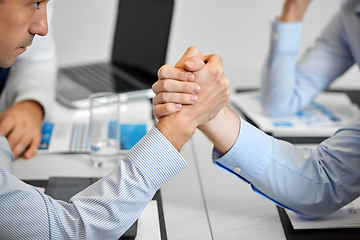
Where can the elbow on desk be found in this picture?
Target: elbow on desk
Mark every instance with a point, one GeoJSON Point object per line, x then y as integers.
{"type": "Point", "coordinates": [324, 201]}
{"type": "Point", "coordinates": [315, 211]}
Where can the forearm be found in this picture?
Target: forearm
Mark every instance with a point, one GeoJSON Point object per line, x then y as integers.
{"type": "Point", "coordinates": [280, 73]}
{"type": "Point", "coordinates": [223, 130]}
{"type": "Point", "coordinates": [116, 201]}
{"type": "Point", "coordinates": [288, 85]}
{"type": "Point", "coordinates": [27, 84]}
{"type": "Point", "coordinates": [294, 11]}
{"type": "Point", "coordinates": [313, 182]}
{"type": "Point", "coordinates": [104, 210]}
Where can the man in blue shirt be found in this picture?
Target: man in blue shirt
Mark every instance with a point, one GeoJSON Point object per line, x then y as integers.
{"type": "Point", "coordinates": [310, 182]}
{"type": "Point", "coordinates": [287, 84]}
{"type": "Point", "coordinates": [107, 208]}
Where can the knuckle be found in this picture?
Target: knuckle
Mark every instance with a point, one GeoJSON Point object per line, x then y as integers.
{"type": "Point", "coordinates": [184, 98]}
{"type": "Point", "coordinates": [23, 125]}
{"type": "Point", "coordinates": [9, 118]}
{"type": "Point", "coordinates": [11, 139]}
{"type": "Point", "coordinates": [153, 87]}
{"type": "Point", "coordinates": [162, 71]}
{"type": "Point", "coordinates": [168, 108]}
{"type": "Point", "coordinates": [219, 58]}
{"type": "Point", "coordinates": [217, 72]}
{"type": "Point", "coordinates": [181, 75]}
{"type": "Point", "coordinates": [225, 83]}
{"type": "Point", "coordinates": [194, 50]}
{"type": "Point", "coordinates": [18, 150]}
{"type": "Point", "coordinates": [227, 93]}
{"type": "Point", "coordinates": [164, 97]}
{"type": "Point", "coordinates": [36, 142]}
{"type": "Point", "coordinates": [227, 80]}
{"type": "Point", "coordinates": [156, 111]}
{"type": "Point", "coordinates": [158, 99]}
{"type": "Point", "coordinates": [165, 86]}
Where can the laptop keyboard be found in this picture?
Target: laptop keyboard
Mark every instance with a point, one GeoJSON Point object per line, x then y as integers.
{"type": "Point", "coordinates": [99, 78]}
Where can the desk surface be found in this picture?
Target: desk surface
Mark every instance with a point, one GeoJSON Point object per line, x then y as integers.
{"type": "Point", "coordinates": [202, 202]}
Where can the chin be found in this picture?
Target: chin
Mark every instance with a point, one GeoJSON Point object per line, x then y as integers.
{"type": "Point", "coordinates": [6, 63]}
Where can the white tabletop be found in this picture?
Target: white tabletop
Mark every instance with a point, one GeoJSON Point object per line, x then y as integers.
{"type": "Point", "coordinates": [234, 210]}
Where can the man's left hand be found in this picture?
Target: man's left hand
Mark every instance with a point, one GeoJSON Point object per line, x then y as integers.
{"type": "Point", "coordinates": [21, 125]}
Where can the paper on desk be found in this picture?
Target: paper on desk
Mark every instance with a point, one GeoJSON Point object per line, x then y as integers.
{"type": "Point", "coordinates": [346, 217]}
{"type": "Point", "coordinates": [322, 117]}
{"type": "Point", "coordinates": [72, 135]}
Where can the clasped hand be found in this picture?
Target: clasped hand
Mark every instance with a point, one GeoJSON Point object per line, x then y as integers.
{"type": "Point", "coordinates": [196, 85]}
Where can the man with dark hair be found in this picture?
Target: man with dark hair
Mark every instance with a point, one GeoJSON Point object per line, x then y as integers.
{"type": "Point", "coordinates": [107, 208]}
{"type": "Point", "coordinates": [27, 88]}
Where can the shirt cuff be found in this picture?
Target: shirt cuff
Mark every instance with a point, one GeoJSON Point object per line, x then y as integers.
{"type": "Point", "coordinates": [156, 158]}
{"type": "Point", "coordinates": [249, 156]}
{"type": "Point", "coordinates": [286, 37]}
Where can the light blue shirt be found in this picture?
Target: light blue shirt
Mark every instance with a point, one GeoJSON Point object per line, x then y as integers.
{"type": "Point", "coordinates": [105, 210]}
{"type": "Point", "coordinates": [311, 182]}
{"type": "Point", "coordinates": [288, 85]}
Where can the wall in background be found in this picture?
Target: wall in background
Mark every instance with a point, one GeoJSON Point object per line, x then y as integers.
{"type": "Point", "coordinates": [238, 30]}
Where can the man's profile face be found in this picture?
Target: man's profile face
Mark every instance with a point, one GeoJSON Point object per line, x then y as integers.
{"type": "Point", "coordinates": [20, 20]}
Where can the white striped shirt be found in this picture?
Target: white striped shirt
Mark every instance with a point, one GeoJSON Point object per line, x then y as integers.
{"type": "Point", "coordinates": [105, 210]}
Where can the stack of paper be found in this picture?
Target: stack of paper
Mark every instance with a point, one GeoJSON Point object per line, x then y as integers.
{"type": "Point", "coordinates": [346, 217]}
{"type": "Point", "coordinates": [321, 118]}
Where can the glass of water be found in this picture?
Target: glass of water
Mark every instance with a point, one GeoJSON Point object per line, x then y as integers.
{"type": "Point", "coordinates": [104, 129]}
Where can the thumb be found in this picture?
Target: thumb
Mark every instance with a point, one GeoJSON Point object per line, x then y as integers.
{"type": "Point", "coordinates": [192, 60]}
{"type": "Point", "coordinates": [194, 64]}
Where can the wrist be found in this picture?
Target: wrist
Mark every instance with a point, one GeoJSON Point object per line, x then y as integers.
{"type": "Point", "coordinates": [206, 128]}
{"type": "Point", "coordinates": [223, 130]}
{"type": "Point", "coordinates": [34, 107]}
{"type": "Point", "coordinates": [176, 129]}
{"type": "Point", "coordinates": [293, 12]}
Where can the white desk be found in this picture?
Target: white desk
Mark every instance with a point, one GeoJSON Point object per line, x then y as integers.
{"type": "Point", "coordinates": [235, 211]}
{"type": "Point", "coordinates": [202, 202]}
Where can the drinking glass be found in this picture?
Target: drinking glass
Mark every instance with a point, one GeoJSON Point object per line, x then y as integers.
{"type": "Point", "coordinates": [104, 129]}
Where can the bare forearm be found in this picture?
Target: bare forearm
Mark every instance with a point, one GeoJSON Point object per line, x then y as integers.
{"type": "Point", "coordinates": [294, 10]}
{"type": "Point", "coordinates": [223, 130]}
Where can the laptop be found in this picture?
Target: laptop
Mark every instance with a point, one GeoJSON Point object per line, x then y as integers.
{"type": "Point", "coordinates": [139, 50]}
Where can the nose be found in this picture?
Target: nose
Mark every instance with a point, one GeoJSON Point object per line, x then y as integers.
{"type": "Point", "coordinates": [39, 25]}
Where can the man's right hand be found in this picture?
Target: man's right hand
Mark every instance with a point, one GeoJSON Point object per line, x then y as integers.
{"type": "Point", "coordinates": [294, 10]}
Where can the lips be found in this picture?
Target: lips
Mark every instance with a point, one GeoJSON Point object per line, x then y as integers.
{"type": "Point", "coordinates": [26, 43]}
{"type": "Point", "coordinates": [27, 46]}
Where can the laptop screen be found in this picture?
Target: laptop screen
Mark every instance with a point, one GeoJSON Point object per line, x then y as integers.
{"type": "Point", "coordinates": [142, 32]}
